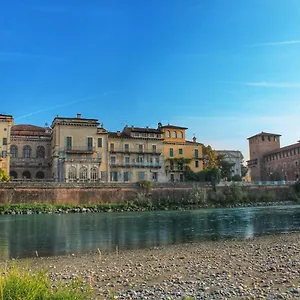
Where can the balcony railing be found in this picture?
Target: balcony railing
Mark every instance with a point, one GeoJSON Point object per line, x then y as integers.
{"type": "Point", "coordinates": [83, 160]}
{"type": "Point", "coordinates": [80, 149]}
{"type": "Point", "coordinates": [30, 162]}
{"type": "Point", "coordinates": [137, 165]}
{"type": "Point", "coordinates": [136, 151]}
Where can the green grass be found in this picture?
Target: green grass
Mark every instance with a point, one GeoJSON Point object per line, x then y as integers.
{"type": "Point", "coordinates": [17, 284]}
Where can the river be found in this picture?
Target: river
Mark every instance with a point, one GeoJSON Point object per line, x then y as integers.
{"type": "Point", "coordinates": [52, 234]}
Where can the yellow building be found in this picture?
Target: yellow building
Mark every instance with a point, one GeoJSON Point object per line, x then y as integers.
{"type": "Point", "coordinates": [179, 153]}
{"type": "Point", "coordinates": [135, 154]}
{"type": "Point", "coordinates": [79, 150]}
{"type": "Point", "coordinates": [6, 122]}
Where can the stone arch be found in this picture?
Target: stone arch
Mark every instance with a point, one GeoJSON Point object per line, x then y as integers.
{"type": "Point", "coordinates": [13, 174]}
{"type": "Point", "coordinates": [94, 174]}
{"type": "Point", "coordinates": [180, 134]}
{"type": "Point", "coordinates": [174, 134]}
{"type": "Point", "coordinates": [14, 151]}
{"type": "Point", "coordinates": [83, 173]}
{"type": "Point", "coordinates": [168, 134]}
{"type": "Point", "coordinates": [27, 151]}
{"type": "Point", "coordinates": [40, 152]}
{"type": "Point", "coordinates": [40, 175]}
{"type": "Point", "coordinates": [72, 174]}
{"type": "Point", "coordinates": [26, 175]}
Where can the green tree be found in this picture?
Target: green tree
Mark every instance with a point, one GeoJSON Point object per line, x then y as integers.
{"type": "Point", "coordinates": [236, 177]}
{"type": "Point", "coordinates": [3, 176]}
{"type": "Point", "coordinates": [244, 170]}
{"type": "Point", "coordinates": [225, 167]}
{"type": "Point", "coordinates": [210, 157]}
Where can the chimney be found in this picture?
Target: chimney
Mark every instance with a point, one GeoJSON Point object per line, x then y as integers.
{"type": "Point", "coordinates": [194, 139]}
{"type": "Point", "coordinates": [118, 133]}
{"type": "Point", "coordinates": [78, 116]}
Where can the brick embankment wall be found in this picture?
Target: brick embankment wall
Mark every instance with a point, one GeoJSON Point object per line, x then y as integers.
{"type": "Point", "coordinates": [91, 194]}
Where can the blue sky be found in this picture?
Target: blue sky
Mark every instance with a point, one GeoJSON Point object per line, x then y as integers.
{"type": "Point", "coordinates": [224, 69]}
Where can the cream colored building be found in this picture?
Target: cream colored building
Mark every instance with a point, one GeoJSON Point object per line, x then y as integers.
{"type": "Point", "coordinates": [79, 150]}
{"type": "Point", "coordinates": [6, 122]}
{"type": "Point", "coordinates": [30, 152]}
{"type": "Point", "coordinates": [178, 150]}
{"type": "Point", "coordinates": [136, 154]}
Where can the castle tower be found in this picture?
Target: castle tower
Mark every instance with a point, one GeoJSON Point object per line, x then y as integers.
{"type": "Point", "coordinates": [259, 145]}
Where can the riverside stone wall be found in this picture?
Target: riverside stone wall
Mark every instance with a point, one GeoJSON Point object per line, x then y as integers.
{"type": "Point", "coordinates": [91, 194]}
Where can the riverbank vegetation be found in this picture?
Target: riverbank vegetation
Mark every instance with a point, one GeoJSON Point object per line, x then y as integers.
{"type": "Point", "coordinates": [227, 196]}
{"type": "Point", "coordinates": [16, 283]}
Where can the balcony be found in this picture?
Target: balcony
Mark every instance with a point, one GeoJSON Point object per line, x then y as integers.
{"type": "Point", "coordinates": [28, 162]}
{"type": "Point", "coordinates": [135, 151]}
{"type": "Point", "coordinates": [136, 165]}
{"type": "Point", "coordinates": [80, 149]}
{"type": "Point", "coordinates": [82, 160]}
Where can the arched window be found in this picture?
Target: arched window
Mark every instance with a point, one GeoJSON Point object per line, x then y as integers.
{"type": "Point", "coordinates": [40, 175]}
{"type": "Point", "coordinates": [26, 175]}
{"type": "Point", "coordinates": [13, 174]}
{"type": "Point", "coordinates": [180, 134]}
{"type": "Point", "coordinates": [168, 134]}
{"type": "Point", "coordinates": [27, 152]}
{"type": "Point", "coordinates": [174, 134]}
{"type": "Point", "coordinates": [72, 174]}
{"type": "Point", "coordinates": [40, 152]}
{"type": "Point", "coordinates": [14, 151]}
{"type": "Point", "coordinates": [83, 174]}
{"type": "Point", "coordinates": [94, 174]}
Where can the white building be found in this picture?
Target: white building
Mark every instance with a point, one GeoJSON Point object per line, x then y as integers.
{"type": "Point", "coordinates": [233, 156]}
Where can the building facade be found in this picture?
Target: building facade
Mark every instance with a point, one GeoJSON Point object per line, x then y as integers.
{"type": "Point", "coordinates": [179, 153]}
{"type": "Point", "coordinates": [136, 154]}
{"type": "Point", "coordinates": [234, 157]}
{"type": "Point", "coordinates": [270, 162]}
{"type": "Point", "coordinates": [6, 122]}
{"type": "Point", "coordinates": [79, 150]}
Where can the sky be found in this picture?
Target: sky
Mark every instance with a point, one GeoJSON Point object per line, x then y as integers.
{"type": "Point", "coordinates": [227, 70]}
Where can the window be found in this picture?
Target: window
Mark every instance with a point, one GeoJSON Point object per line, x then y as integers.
{"type": "Point", "coordinates": [113, 159]}
{"type": "Point", "coordinates": [4, 153]}
{"type": "Point", "coordinates": [262, 138]}
{"type": "Point", "coordinates": [180, 151]}
{"type": "Point", "coordinates": [126, 160]}
{"type": "Point", "coordinates": [27, 152]}
{"type": "Point", "coordinates": [269, 138]}
{"type": "Point", "coordinates": [83, 172]}
{"type": "Point", "coordinates": [180, 134]}
{"type": "Point", "coordinates": [40, 152]}
{"type": "Point", "coordinates": [171, 152]}
{"type": "Point", "coordinates": [172, 165]}
{"type": "Point", "coordinates": [126, 147]}
{"type": "Point", "coordinates": [174, 134]}
{"type": "Point", "coordinates": [40, 175]}
{"type": "Point", "coordinates": [126, 176]}
{"type": "Point", "coordinates": [114, 176]}
{"type": "Point", "coordinates": [140, 148]}
{"type": "Point", "coordinates": [196, 164]}
{"type": "Point", "coordinates": [94, 174]}
{"type": "Point", "coordinates": [154, 148]}
{"type": "Point", "coordinates": [72, 174]}
{"type": "Point", "coordinates": [4, 141]}
{"type": "Point", "coordinates": [196, 152]}
{"type": "Point", "coordinates": [99, 142]}
{"type": "Point", "coordinates": [69, 143]}
{"type": "Point", "coordinates": [112, 147]}
{"type": "Point", "coordinates": [14, 151]}
{"type": "Point", "coordinates": [168, 134]}
{"type": "Point", "coordinates": [141, 175]}
{"type": "Point", "coordinates": [89, 143]}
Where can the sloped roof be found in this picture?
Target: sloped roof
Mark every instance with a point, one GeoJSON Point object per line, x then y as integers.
{"type": "Point", "coordinates": [29, 130]}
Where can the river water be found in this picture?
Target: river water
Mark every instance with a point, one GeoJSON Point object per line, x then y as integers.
{"type": "Point", "coordinates": [22, 235]}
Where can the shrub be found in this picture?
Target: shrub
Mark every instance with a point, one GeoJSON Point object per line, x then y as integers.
{"type": "Point", "coordinates": [17, 284]}
{"type": "Point", "coordinates": [236, 177]}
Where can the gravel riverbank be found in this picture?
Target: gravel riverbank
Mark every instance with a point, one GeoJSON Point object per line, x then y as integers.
{"type": "Point", "coordinates": [265, 267]}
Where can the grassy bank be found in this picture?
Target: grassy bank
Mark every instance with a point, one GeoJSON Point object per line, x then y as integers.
{"type": "Point", "coordinates": [16, 283]}
{"type": "Point", "coordinates": [229, 196]}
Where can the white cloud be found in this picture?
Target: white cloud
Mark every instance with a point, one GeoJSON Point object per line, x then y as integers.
{"type": "Point", "coordinates": [281, 43]}
{"type": "Point", "coordinates": [274, 84]}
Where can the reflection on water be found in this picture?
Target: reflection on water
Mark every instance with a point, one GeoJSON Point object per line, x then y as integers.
{"type": "Point", "coordinates": [21, 236]}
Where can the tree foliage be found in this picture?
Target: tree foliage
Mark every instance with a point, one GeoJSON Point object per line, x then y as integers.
{"type": "Point", "coordinates": [3, 176]}
{"type": "Point", "coordinates": [244, 170]}
{"type": "Point", "coordinates": [225, 167]}
{"type": "Point", "coordinates": [210, 157]}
